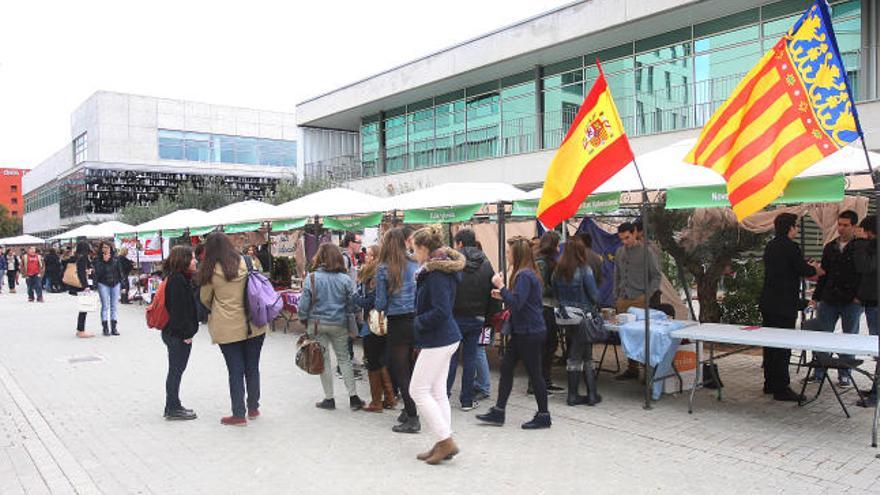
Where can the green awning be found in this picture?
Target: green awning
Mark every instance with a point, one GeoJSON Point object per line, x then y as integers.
{"type": "Point", "coordinates": [126, 235]}
{"type": "Point", "coordinates": [242, 227]}
{"type": "Point", "coordinates": [285, 225]}
{"type": "Point", "coordinates": [595, 203]}
{"type": "Point", "coordinates": [172, 233]}
{"type": "Point", "coordinates": [824, 189]}
{"type": "Point", "coordinates": [441, 215]}
{"type": "Point", "coordinates": [149, 233]}
{"type": "Point", "coordinates": [198, 231]}
{"type": "Point", "coordinates": [353, 223]}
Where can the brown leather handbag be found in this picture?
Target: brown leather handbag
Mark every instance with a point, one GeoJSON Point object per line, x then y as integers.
{"type": "Point", "coordinates": [309, 351]}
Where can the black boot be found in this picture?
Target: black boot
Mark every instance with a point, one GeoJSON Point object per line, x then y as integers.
{"type": "Point", "coordinates": [105, 328]}
{"type": "Point", "coordinates": [113, 330]}
{"type": "Point", "coordinates": [411, 425]}
{"type": "Point", "coordinates": [495, 416]}
{"type": "Point", "coordinates": [593, 396]}
{"type": "Point", "coordinates": [540, 421]}
{"type": "Point", "coordinates": [574, 381]}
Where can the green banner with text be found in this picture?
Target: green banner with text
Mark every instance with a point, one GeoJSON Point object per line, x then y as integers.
{"type": "Point", "coordinates": [595, 203]}
{"type": "Point", "coordinates": [450, 214]}
{"type": "Point", "coordinates": [825, 189]}
{"type": "Point", "coordinates": [242, 227]}
{"type": "Point", "coordinates": [285, 225]}
{"type": "Point", "coordinates": [200, 231]}
{"type": "Point", "coordinates": [353, 223]}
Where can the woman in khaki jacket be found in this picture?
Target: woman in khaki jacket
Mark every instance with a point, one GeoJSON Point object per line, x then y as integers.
{"type": "Point", "coordinates": [222, 278]}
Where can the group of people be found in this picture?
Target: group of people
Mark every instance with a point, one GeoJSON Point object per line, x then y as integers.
{"type": "Point", "coordinates": [846, 286]}
{"type": "Point", "coordinates": [39, 272]}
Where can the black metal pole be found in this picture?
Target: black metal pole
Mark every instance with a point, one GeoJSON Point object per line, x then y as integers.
{"type": "Point", "coordinates": [649, 374]}
{"type": "Point", "coordinates": [876, 183]}
{"type": "Point", "coordinates": [502, 237]}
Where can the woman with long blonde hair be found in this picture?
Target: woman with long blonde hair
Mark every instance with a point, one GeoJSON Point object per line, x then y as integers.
{"type": "Point", "coordinates": [527, 332]}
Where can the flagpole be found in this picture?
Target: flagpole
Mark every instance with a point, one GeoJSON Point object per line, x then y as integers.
{"type": "Point", "coordinates": [649, 375]}
{"type": "Point", "coordinates": [876, 183]}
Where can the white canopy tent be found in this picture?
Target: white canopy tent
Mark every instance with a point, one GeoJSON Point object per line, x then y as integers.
{"type": "Point", "coordinates": [180, 219]}
{"type": "Point", "coordinates": [331, 202]}
{"type": "Point", "coordinates": [456, 194]}
{"type": "Point", "coordinates": [245, 211]}
{"type": "Point", "coordinates": [91, 231]}
{"type": "Point", "coordinates": [21, 240]}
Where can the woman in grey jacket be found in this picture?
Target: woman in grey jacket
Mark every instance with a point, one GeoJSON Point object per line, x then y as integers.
{"type": "Point", "coordinates": [324, 309]}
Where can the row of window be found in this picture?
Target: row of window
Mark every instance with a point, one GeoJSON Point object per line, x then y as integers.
{"type": "Point", "coordinates": [668, 82]}
{"type": "Point", "coordinates": [220, 148]}
{"type": "Point", "coordinates": [41, 197]}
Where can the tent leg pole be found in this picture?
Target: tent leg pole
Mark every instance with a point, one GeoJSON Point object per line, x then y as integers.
{"type": "Point", "coordinates": [687, 290]}
{"type": "Point", "coordinates": [649, 375]}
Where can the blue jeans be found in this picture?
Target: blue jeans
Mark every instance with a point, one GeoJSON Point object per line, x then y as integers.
{"type": "Point", "coordinates": [243, 365]}
{"type": "Point", "coordinates": [849, 315]}
{"type": "Point", "coordinates": [470, 332]}
{"type": "Point", "coordinates": [109, 300]}
{"type": "Point", "coordinates": [34, 285]}
{"type": "Point", "coordinates": [483, 380]}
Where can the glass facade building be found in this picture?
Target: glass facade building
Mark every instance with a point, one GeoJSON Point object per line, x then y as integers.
{"type": "Point", "coordinates": [220, 148]}
{"type": "Point", "coordinates": [667, 82]}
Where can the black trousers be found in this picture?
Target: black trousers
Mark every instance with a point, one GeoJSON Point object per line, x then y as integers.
{"type": "Point", "coordinates": [399, 341]}
{"type": "Point", "coordinates": [178, 357]}
{"type": "Point", "coordinates": [528, 349]}
{"type": "Point", "coordinates": [550, 344]}
{"type": "Point", "coordinates": [374, 351]}
{"type": "Point", "coordinates": [81, 321]}
{"type": "Point", "coordinates": [776, 361]}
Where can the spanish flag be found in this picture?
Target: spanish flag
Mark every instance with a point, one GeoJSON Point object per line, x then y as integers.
{"type": "Point", "coordinates": [791, 110]}
{"type": "Point", "coordinates": [594, 149]}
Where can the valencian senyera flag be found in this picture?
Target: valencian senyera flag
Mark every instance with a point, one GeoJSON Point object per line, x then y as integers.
{"type": "Point", "coordinates": [594, 149]}
{"type": "Point", "coordinates": [790, 111]}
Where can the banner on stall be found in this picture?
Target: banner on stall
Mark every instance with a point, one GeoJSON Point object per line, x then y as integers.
{"type": "Point", "coordinates": [595, 203]}
{"type": "Point", "coordinates": [450, 214]}
{"type": "Point", "coordinates": [242, 227]}
{"type": "Point", "coordinates": [148, 251]}
{"type": "Point", "coordinates": [284, 244]}
{"type": "Point", "coordinates": [824, 189]}
{"type": "Point", "coordinates": [353, 223]}
{"type": "Point", "coordinates": [200, 231]}
{"type": "Point", "coordinates": [284, 225]}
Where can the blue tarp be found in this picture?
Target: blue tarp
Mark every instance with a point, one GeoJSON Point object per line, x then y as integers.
{"type": "Point", "coordinates": [663, 347]}
{"type": "Point", "coordinates": [605, 244]}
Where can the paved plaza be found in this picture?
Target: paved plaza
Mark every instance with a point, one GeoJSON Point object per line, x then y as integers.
{"type": "Point", "coordinates": [85, 416]}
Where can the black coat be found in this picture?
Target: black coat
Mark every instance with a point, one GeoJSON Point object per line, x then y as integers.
{"type": "Point", "coordinates": [108, 273]}
{"type": "Point", "coordinates": [181, 305]}
{"type": "Point", "coordinates": [52, 263]}
{"type": "Point", "coordinates": [840, 284]}
{"type": "Point", "coordinates": [474, 294]}
{"type": "Point", "coordinates": [865, 257]}
{"type": "Point", "coordinates": [784, 265]}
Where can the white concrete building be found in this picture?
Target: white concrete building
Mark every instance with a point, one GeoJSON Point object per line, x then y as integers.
{"type": "Point", "coordinates": [128, 148]}
{"type": "Point", "coordinates": [494, 108]}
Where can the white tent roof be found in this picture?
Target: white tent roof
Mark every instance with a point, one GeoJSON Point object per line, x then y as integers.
{"type": "Point", "coordinates": [665, 169]}
{"type": "Point", "coordinates": [180, 219]}
{"type": "Point", "coordinates": [91, 231]}
{"type": "Point", "coordinates": [21, 240]}
{"type": "Point", "coordinates": [330, 202]}
{"type": "Point", "coordinates": [244, 211]}
{"type": "Point", "coordinates": [456, 194]}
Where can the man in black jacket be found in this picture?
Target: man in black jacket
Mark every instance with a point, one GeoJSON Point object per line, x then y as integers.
{"type": "Point", "coordinates": [866, 265]}
{"type": "Point", "coordinates": [837, 291]}
{"type": "Point", "coordinates": [473, 304]}
{"type": "Point", "coordinates": [784, 265]}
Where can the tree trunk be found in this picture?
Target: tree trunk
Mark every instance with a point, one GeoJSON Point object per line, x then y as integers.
{"type": "Point", "coordinates": [707, 294]}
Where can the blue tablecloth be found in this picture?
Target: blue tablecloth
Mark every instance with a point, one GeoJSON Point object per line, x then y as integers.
{"type": "Point", "coordinates": [663, 347]}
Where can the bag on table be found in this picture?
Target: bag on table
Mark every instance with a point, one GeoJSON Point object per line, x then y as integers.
{"type": "Point", "coordinates": [87, 302]}
{"type": "Point", "coordinates": [594, 327]}
{"type": "Point", "coordinates": [309, 351]}
{"type": "Point", "coordinates": [71, 278]}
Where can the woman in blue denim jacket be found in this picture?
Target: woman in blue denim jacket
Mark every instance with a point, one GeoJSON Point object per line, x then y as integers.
{"type": "Point", "coordinates": [396, 297]}
{"type": "Point", "coordinates": [326, 314]}
{"type": "Point", "coordinates": [374, 338]}
{"type": "Point", "coordinates": [575, 287]}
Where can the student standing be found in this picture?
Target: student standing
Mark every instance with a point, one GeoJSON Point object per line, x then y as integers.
{"type": "Point", "coordinates": [866, 265]}
{"type": "Point", "coordinates": [53, 270]}
{"type": "Point", "coordinates": [784, 266]}
{"type": "Point", "coordinates": [12, 268]}
{"type": "Point", "coordinates": [33, 269]}
{"type": "Point", "coordinates": [836, 293]}
{"type": "Point", "coordinates": [108, 276]}
{"type": "Point", "coordinates": [629, 280]}
{"type": "Point", "coordinates": [182, 326]}
{"type": "Point", "coordinates": [127, 266]}
{"type": "Point", "coordinates": [324, 309]}
{"type": "Point", "coordinates": [83, 271]}
{"type": "Point", "coordinates": [527, 332]}
{"type": "Point", "coordinates": [222, 276]}
{"type": "Point", "coordinates": [548, 252]}
{"type": "Point", "coordinates": [437, 335]}
{"type": "Point", "coordinates": [395, 296]}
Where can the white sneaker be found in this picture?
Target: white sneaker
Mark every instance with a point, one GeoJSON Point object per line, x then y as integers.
{"type": "Point", "coordinates": [471, 407]}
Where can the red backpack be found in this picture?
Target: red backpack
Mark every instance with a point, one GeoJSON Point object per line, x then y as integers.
{"type": "Point", "coordinates": [157, 313]}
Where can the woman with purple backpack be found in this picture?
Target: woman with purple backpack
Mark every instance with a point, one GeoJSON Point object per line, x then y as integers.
{"type": "Point", "coordinates": [222, 276]}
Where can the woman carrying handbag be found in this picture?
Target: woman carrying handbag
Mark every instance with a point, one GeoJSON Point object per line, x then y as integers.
{"type": "Point", "coordinates": [76, 276]}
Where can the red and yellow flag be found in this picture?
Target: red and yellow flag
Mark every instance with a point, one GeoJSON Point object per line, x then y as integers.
{"type": "Point", "coordinates": [790, 111]}
{"type": "Point", "coordinates": [594, 149]}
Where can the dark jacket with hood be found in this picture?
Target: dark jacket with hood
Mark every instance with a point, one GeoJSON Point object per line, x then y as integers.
{"type": "Point", "coordinates": [180, 302]}
{"type": "Point", "coordinates": [473, 297]}
{"type": "Point", "coordinates": [436, 284]}
{"type": "Point", "coordinates": [108, 273]}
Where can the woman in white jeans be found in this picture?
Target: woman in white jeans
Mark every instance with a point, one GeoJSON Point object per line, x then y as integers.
{"type": "Point", "coordinates": [437, 335]}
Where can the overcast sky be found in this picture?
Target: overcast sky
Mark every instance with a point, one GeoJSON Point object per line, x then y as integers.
{"type": "Point", "coordinates": [250, 53]}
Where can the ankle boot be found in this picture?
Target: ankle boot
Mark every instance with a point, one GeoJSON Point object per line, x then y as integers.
{"type": "Point", "coordinates": [574, 380]}
{"type": "Point", "coordinates": [375, 392]}
{"type": "Point", "coordinates": [105, 328]}
{"type": "Point", "coordinates": [411, 425]}
{"type": "Point", "coordinates": [113, 330]}
{"type": "Point", "coordinates": [593, 396]}
{"type": "Point", "coordinates": [445, 449]}
{"type": "Point", "coordinates": [540, 421]}
{"type": "Point", "coordinates": [388, 389]}
{"type": "Point", "coordinates": [495, 416]}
